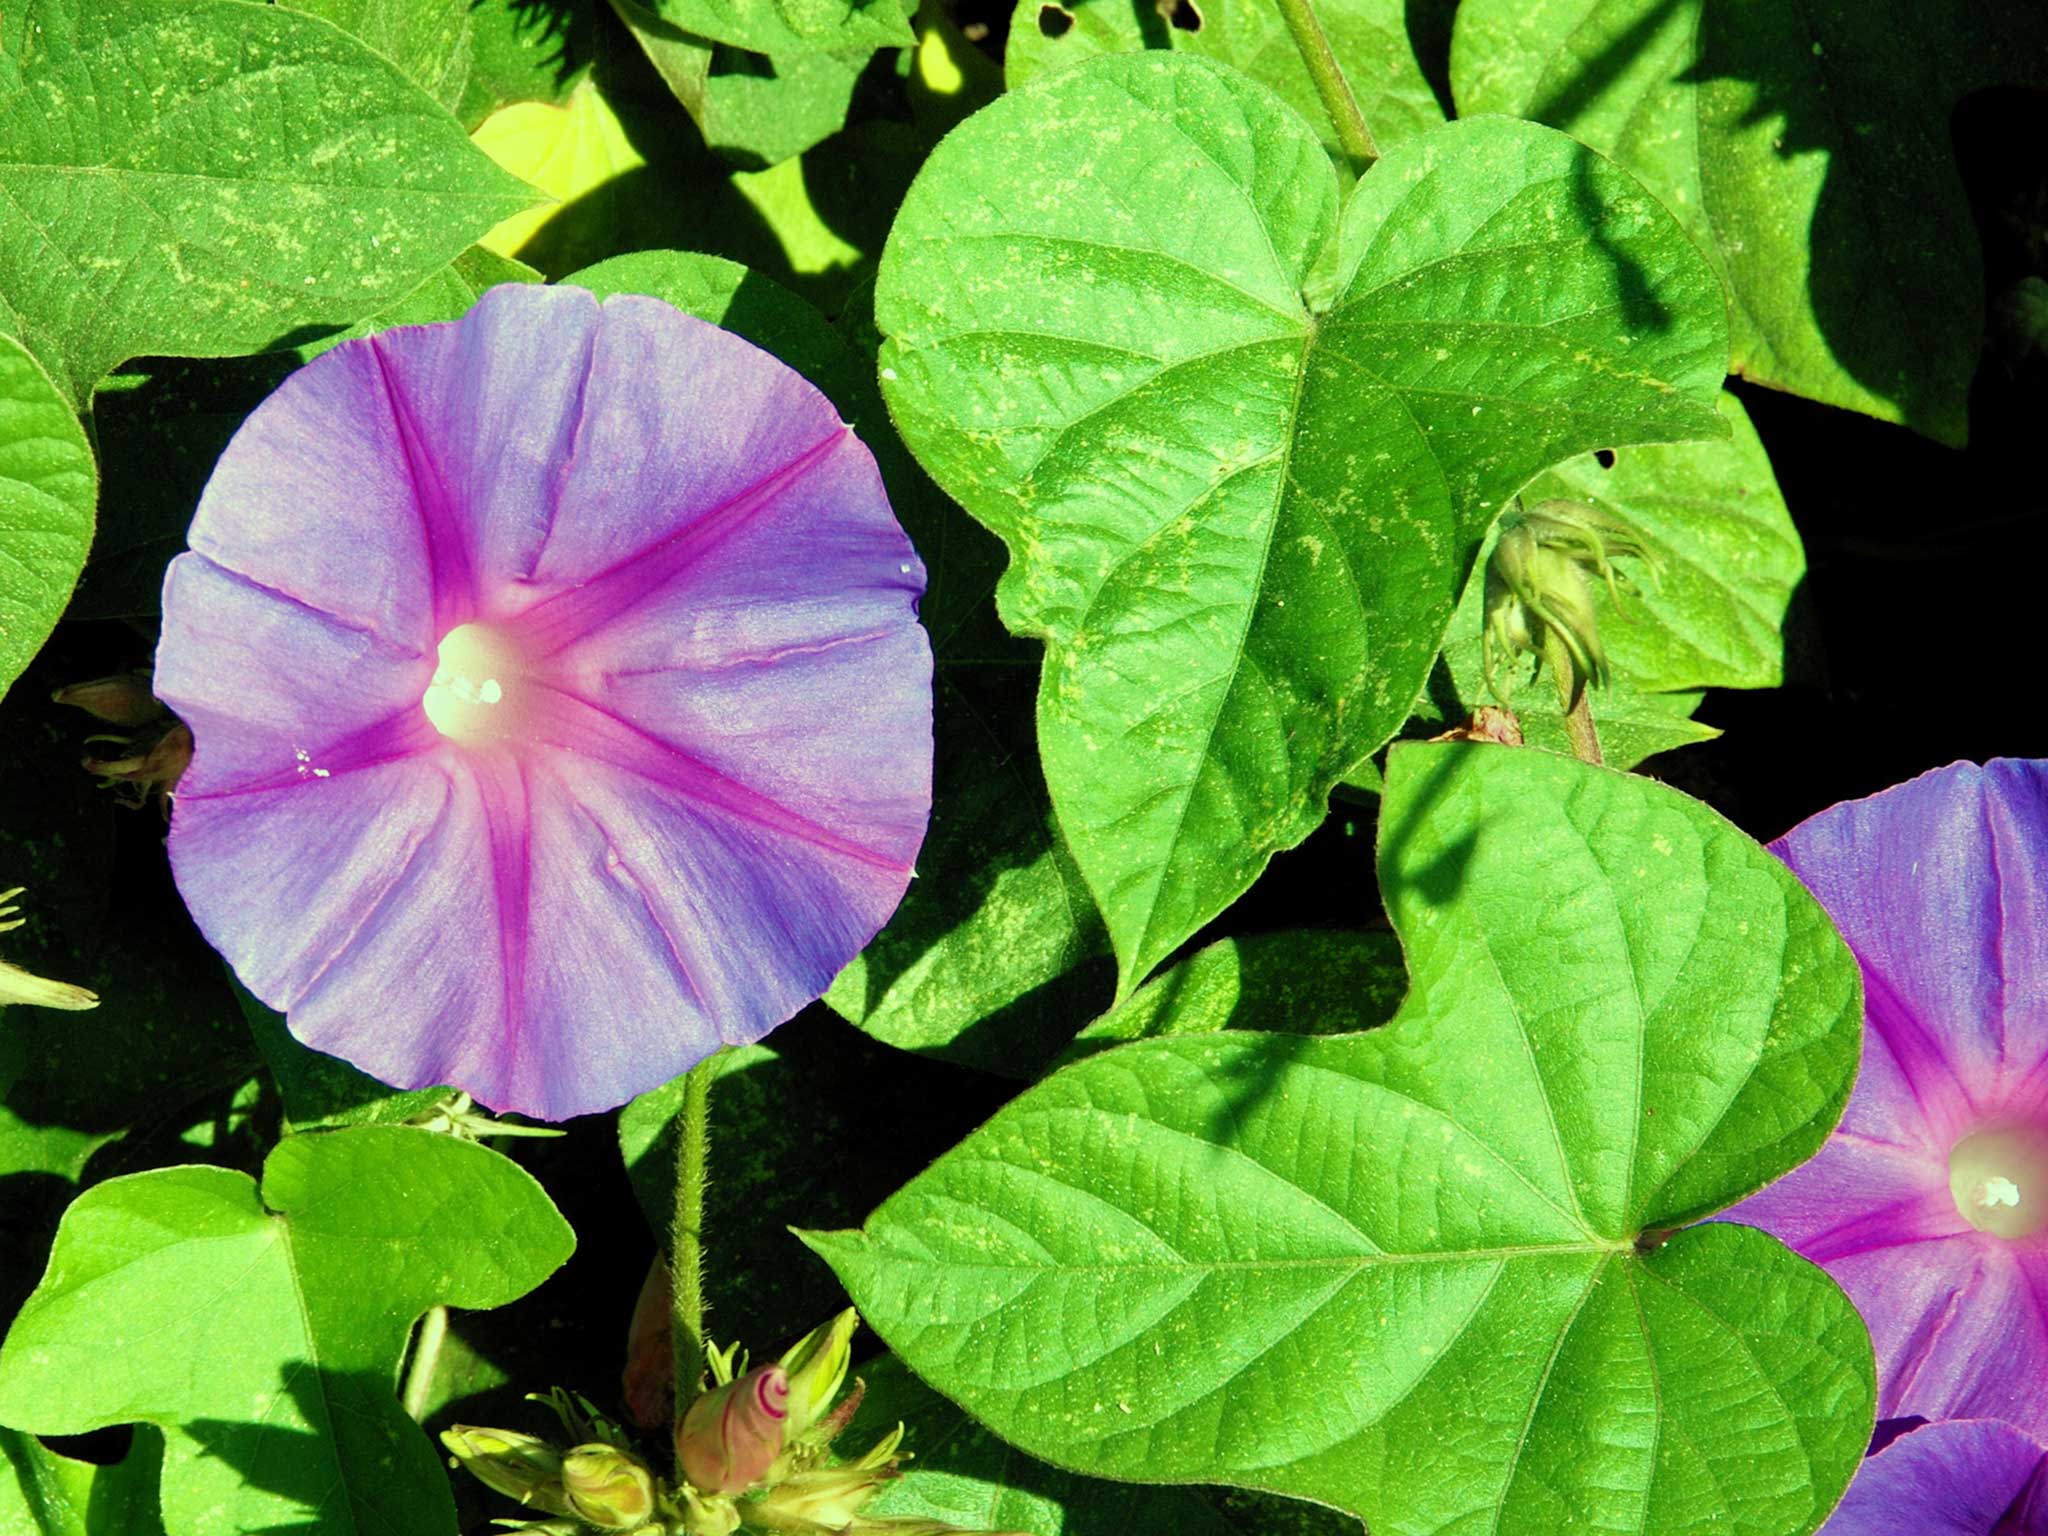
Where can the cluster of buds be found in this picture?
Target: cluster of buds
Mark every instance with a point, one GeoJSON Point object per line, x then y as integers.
{"type": "Point", "coordinates": [150, 755]}
{"type": "Point", "coordinates": [1539, 590]}
{"type": "Point", "coordinates": [753, 1454]}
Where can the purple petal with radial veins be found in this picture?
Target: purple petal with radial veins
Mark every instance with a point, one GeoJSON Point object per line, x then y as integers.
{"type": "Point", "coordinates": [1856, 1194]}
{"type": "Point", "coordinates": [1929, 1203]}
{"type": "Point", "coordinates": [1968, 1477]}
{"type": "Point", "coordinates": [1959, 1324]}
{"type": "Point", "coordinates": [277, 692]}
{"type": "Point", "coordinates": [1951, 924]}
{"type": "Point", "coordinates": [674, 787]}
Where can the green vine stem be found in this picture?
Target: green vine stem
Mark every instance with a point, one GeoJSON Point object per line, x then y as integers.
{"type": "Point", "coordinates": [1571, 694]}
{"type": "Point", "coordinates": [686, 1232]}
{"type": "Point", "coordinates": [1314, 43]}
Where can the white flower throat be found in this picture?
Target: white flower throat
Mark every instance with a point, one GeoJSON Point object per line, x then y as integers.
{"type": "Point", "coordinates": [478, 687]}
{"type": "Point", "coordinates": [1999, 1180]}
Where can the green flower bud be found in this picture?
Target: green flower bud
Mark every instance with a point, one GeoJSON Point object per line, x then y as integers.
{"type": "Point", "coordinates": [522, 1467]}
{"type": "Point", "coordinates": [1539, 588]}
{"type": "Point", "coordinates": [817, 1364]}
{"type": "Point", "coordinates": [608, 1488]}
{"type": "Point", "coordinates": [731, 1435]}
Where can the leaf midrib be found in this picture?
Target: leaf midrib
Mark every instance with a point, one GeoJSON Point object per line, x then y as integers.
{"type": "Point", "coordinates": [1358, 1261]}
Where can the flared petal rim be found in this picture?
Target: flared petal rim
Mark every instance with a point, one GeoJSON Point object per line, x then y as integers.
{"type": "Point", "coordinates": [1965, 1477]}
{"type": "Point", "coordinates": [721, 772]}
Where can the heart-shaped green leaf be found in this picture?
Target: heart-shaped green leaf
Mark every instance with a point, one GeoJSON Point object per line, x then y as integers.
{"type": "Point", "coordinates": [206, 177]}
{"type": "Point", "coordinates": [1240, 522]}
{"type": "Point", "coordinates": [262, 1333]}
{"type": "Point", "coordinates": [1421, 1273]}
{"type": "Point", "coordinates": [1807, 147]}
{"type": "Point", "coordinates": [47, 488]}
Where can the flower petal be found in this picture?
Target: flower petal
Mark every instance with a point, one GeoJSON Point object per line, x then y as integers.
{"type": "Point", "coordinates": [1960, 1326]}
{"type": "Point", "coordinates": [712, 767]}
{"type": "Point", "coordinates": [277, 692]}
{"type": "Point", "coordinates": [1970, 1477]}
{"type": "Point", "coordinates": [787, 658]}
{"type": "Point", "coordinates": [1855, 1195]}
{"type": "Point", "coordinates": [324, 449]}
{"type": "Point", "coordinates": [1941, 888]}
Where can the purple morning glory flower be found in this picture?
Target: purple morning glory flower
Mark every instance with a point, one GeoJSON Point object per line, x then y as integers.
{"type": "Point", "coordinates": [1967, 1477]}
{"type": "Point", "coordinates": [1929, 1204]}
{"type": "Point", "coordinates": [559, 702]}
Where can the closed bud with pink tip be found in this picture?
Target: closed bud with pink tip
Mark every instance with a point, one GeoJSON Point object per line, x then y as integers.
{"type": "Point", "coordinates": [731, 1435]}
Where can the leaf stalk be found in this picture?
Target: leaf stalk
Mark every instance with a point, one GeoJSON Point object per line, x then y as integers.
{"type": "Point", "coordinates": [1571, 694]}
{"type": "Point", "coordinates": [1342, 107]}
{"type": "Point", "coordinates": [686, 1233]}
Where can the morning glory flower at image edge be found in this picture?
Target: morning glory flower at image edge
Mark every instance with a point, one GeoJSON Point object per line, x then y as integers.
{"type": "Point", "coordinates": [559, 704]}
{"type": "Point", "coordinates": [1929, 1203]}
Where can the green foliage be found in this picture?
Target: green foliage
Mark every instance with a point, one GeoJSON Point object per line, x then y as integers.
{"type": "Point", "coordinates": [262, 1333]}
{"type": "Point", "coordinates": [1807, 149]}
{"type": "Point", "coordinates": [1305, 983]}
{"type": "Point", "coordinates": [322, 1092]}
{"type": "Point", "coordinates": [1427, 1273]}
{"type": "Point", "coordinates": [1369, 37]}
{"type": "Point", "coordinates": [210, 177]}
{"type": "Point", "coordinates": [1710, 616]}
{"type": "Point", "coordinates": [793, 1125]}
{"type": "Point", "coordinates": [756, 110]}
{"type": "Point", "coordinates": [1240, 519]}
{"type": "Point", "coordinates": [45, 1494]}
{"type": "Point", "coordinates": [784, 28]}
{"type": "Point", "coordinates": [427, 39]}
{"type": "Point", "coordinates": [966, 1477]}
{"type": "Point", "coordinates": [47, 488]}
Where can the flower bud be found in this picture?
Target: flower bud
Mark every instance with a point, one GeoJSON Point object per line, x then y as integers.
{"type": "Point", "coordinates": [817, 1364]}
{"type": "Point", "coordinates": [1539, 590]}
{"type": "Point", "coordinates": [732, 1435]}
{"type": "Point", "coordinates": [147, 764]}
{"type": "Point", "coordinates": [123, 699]}
{"type": "Point", "coordinates": [648, 1381]}
{"type": "Point", "coordinates": [19, 986]}
{"type": "Point", "coordinates": [521, 1467]}
{"type": "Point", "coordinates": [607, 1487]}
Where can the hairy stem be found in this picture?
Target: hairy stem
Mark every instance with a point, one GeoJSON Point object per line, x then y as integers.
{"type": "Point", "coordinates": [1571, 694]}
{"type": "Point", "coordinates": [426, 1355]}
{"type": "Point", "coordinates": [1342, 106]}
{"type": "Point", "coordinates": [686, 1231]}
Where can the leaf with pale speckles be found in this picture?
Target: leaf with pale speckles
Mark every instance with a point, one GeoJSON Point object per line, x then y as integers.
{"type": "Point", "coordinates": [1370, 38]}
{"type": "Point", "coordinates": [47, 486]}
{"type": "Point", "coordinates": [1426, 1273]}
{"type": "Point", "coordinates": [1240, 517]}
{"type": "Point", "coordinates": [428, 39]}
{"type": "Point", "coordinates": [262, 1330]}
{"type": "Point", "coordinates": [203, 178]}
